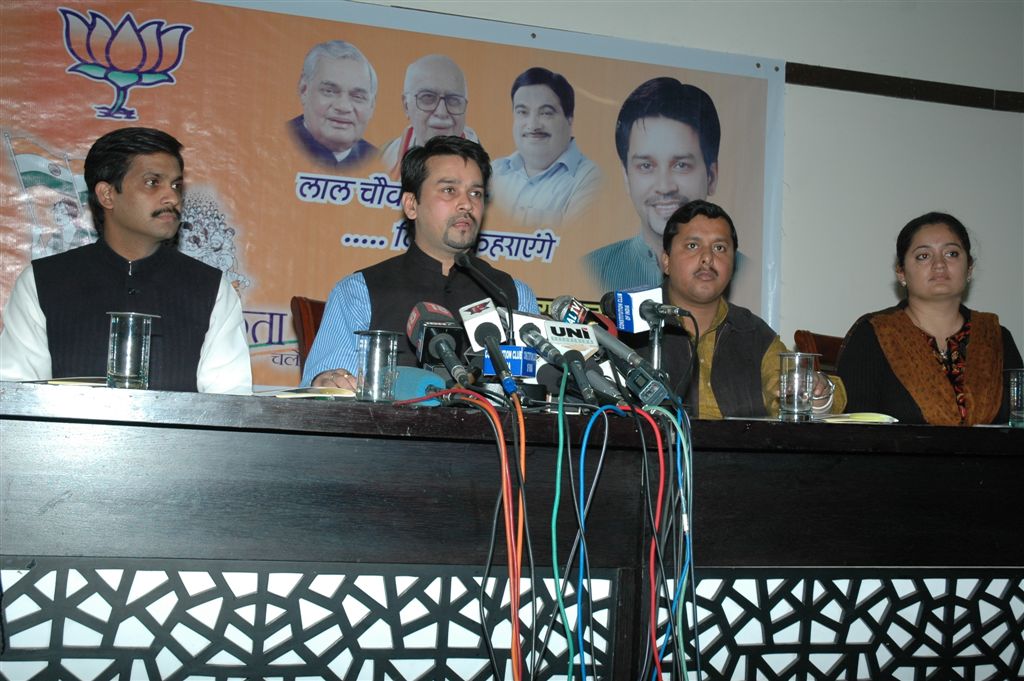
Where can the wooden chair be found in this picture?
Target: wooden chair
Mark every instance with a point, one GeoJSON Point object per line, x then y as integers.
{"type": "Point", "coordinates": [306, 316]}
{"type": "Point", "coordinates": [826, 346]}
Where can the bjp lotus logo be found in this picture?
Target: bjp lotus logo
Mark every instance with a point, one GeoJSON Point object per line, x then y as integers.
{"type": "Point", "coordinates": [124, 56]}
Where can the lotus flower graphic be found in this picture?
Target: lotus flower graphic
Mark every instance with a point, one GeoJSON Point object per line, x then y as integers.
{"type": "Point", "coordinates": [124, 56]}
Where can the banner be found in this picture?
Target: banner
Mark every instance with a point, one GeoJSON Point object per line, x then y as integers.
{"type": "Point", "coordinates": [268, 202]}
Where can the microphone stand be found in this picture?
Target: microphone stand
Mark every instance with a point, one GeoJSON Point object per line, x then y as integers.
{"type": "Point", "coordinates": [657, 335]}
{"type": "Point", "coordinates": [463, 261]}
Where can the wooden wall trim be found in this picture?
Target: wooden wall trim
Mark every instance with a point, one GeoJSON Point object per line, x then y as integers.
{"type": "Point", "coordinates": [903, 88]}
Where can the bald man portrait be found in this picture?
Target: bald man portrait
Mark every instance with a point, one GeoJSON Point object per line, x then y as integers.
{"type": "Point", "coordinates": [435, 98]}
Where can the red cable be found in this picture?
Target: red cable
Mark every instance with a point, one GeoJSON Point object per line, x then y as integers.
{"type": "Point", "coordinates": [653, 625]}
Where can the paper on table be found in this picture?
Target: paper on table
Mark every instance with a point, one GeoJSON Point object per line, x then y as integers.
{"type": "Point", "coordinates": [313, 392]}
{"type": "Point", "coordinates": [865, 417]}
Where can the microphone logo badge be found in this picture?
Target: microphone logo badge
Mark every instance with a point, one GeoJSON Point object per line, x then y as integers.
{"type": "Point", "coordinates": [575, 331]}
{"type": "Point", "coordinates": [477, 308]}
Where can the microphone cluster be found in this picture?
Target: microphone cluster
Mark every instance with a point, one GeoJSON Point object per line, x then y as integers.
{"type": "Point", "coordinates": [519, 348]}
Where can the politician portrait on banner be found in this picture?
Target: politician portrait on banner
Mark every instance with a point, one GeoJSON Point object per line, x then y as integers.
{"type": "Point", "coordinates": [293, 169]}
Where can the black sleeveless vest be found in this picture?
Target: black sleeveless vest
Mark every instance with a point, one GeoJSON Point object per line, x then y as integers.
{"type": "Point", "coordinates": [397, 284]}
{"type": "Point", "coordinates": [740, 344]}
{"type": "Point", "coordinates": [77, 289]}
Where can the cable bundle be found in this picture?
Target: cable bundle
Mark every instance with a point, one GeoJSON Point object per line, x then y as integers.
{"type": "Point", "coordinates": [668, 507]}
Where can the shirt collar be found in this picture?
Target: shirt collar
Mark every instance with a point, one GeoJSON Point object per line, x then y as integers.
{"type": "Point", "coordinates": [570, 159]}
{"type": "Point", "coordinates": [140, 265]}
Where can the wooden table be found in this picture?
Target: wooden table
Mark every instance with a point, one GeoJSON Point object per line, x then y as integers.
{"type": "Point", "coordinates": [236, 522]}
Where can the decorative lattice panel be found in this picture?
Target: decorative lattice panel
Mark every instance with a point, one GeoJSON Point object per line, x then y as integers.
{"type": "Point", "coordinates": [859, 625]}
{"type": "Point", "coordinates": [121, 620]}
{"type": "Point", "coordinates": [85, 620]}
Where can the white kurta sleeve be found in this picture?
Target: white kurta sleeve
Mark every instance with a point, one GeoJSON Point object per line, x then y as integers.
{"type": "Point", "coordinates": [24, 350]}
{"type": "Point", "coordinates": [224, 365]}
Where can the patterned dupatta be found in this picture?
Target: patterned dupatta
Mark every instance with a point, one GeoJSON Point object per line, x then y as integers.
{"type": "Point", "coordinates": [964, 388]}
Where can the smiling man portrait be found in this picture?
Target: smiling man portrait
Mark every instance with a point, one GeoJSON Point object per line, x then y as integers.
{"type": "Point", "coordinates": [548, 180]}
{"type": "Point", "coordinates": [338, 91]}
{"type": "Point", "coordinates": [667, 136]}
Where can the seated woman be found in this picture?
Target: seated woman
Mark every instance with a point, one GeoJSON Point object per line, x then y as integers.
{"type": "Point", "coordinates": [930, 359]}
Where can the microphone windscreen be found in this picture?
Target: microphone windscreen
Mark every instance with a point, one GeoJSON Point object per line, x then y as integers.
{"type": "Point", "coordinates": [608, 305]}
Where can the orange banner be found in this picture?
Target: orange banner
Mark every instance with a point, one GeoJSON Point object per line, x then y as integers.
{"type": "Point", "coordinates": [226, 82]}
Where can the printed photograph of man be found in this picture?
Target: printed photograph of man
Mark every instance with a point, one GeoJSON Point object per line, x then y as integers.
{"type": "Point", "coordinates": [547, 180]}
{"type": "Point", "coordinates": [338, 91]}
{"type": "Point", "coordinates": [435, 98]}
{"type": "Point", "coordinates": [667, 136]}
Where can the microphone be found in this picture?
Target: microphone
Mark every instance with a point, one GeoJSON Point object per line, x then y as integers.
{"type": "Point", "coordinates": [476, 314]}
{"type": "Point", "coordinates": [550, 377]}
{"type": "Point", "coordinates": [578, 369]}
{"type": "Point", "coordinates": [637, 310]}
{"type": "Point", "coordinates": [431, 328]}
{"type": "Point", "coordinates": [411, 383]}
{"type": "Point", "coordinates": [643, 379]}
{"type": "Point", "coordinates": [531, 335]}
{"type": "Point", "coordinates": [652, 311]}
{"type": "Point", "coordinates": [605, 389]}
{"type": "Point", "coordinates": [573, 311]}
{"type": "Point", "coordinates": [488, 335]}
{"type": "Point", "coordinates": [463, 260]}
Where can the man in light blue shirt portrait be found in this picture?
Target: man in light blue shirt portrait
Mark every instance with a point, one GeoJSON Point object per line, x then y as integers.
{"type": "Point", "coordinates": [547, 181]}
{"type": "Point", "coordinates": [667, 136]}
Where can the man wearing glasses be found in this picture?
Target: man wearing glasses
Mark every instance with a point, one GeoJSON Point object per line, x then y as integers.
{"type": "Point", "coordinates": [435, 101]}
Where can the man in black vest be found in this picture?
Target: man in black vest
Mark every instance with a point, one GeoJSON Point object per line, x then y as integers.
{"type": "Point", "coordinates": [56, 323]}
{"type": "Point", "coordinates": [444, 185]}
{"type": "Point", "coordinates": [737, 352]}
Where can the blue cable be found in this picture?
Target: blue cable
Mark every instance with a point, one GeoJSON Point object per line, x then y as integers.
{"type": "Point", "coordinates": [686, 563]}
{"type": "Point", "coordinates": [583, 541]}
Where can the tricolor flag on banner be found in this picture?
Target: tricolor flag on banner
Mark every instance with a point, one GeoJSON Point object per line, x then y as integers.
{"type": "Point", "coordinates": [56, 196]}
{"type": "Point", "coordinates": [37, 166]}
{"type": "Point", "coordinates": [36, 170]}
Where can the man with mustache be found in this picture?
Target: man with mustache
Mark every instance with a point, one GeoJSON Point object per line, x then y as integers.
{"type": "Point", "coordinates": [338, 90]}
{"type": "Point", "coordinates": [667, 136]}
{"type": "Point", "coordinates": [444, 187]}
{"type": "Point", "coordinates": [56, 323]}
{"type": "Point", "coordinates": [547, 180]}
{"type": "Point", "coordinates": [737, 352]}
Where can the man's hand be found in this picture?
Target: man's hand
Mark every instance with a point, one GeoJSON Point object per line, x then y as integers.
{"type": "Point", "coordinates": [822, 392]}
{"type": "Point", "coordinates": [335, 378]}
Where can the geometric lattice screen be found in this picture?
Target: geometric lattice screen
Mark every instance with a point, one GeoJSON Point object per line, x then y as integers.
{"type": "Point", "coordinates": [150, 623]}
{"type": "Point", "coordinates": [861, 627]}
{"type": "Point", "coordinates": [124, 620]}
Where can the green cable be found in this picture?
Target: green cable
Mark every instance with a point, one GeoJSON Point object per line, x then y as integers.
{"type": "Point", "coordinates": [681, 606]}
{"type": "Point", "coordinates": [554, 518]}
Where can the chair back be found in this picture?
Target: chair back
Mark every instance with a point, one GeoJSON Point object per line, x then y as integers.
{"type": "Point", "coordinates": [826, 346]}
{"type": "Point", "coordinates": [306, 316]}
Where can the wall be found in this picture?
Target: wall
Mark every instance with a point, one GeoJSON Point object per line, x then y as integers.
{"type": "Point", "coordinates": [857, 167]}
